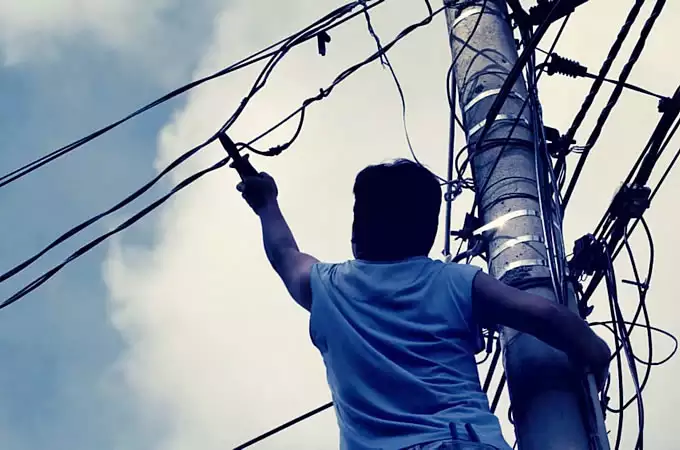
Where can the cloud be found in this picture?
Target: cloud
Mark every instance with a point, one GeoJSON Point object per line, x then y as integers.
{"type": "Point", "coordinates": [154, 34]}
{"type": "Point", "coordinates": [216, 350]}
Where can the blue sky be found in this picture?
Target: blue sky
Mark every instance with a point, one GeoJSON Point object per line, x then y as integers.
{"type": "Point", "coordinates": [178, 336]}
{"type": "Point", "coordinates": [58, 346]}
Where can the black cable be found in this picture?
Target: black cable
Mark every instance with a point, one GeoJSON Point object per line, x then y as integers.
{"type": "Point", "coordinates": [492, 367]}
{"type": "Point", "coordinates": [559, 65]}
{"type": "Point", "coordinates": [284, 426]}
{"type": "Point", "coordinates": [629, 86]}
{"type": "Point", "coordinates": [33, 285]}
{"type": "Point", "coordinates": [617, 317]}
{"type": "Point", "coordinates": [386, 62]}
{"type": "Point", "coordinates": [595, 88]}
{"type": "Point", "coordinates": [613, 99]}
{"type": "Point", "coordinates": [659, 141]}
{"type": "Point", "coordinates": [309, 33]}
{"type": "Point", "coordinates": [499, 391]}
{"type": "Point", "coordinates": [258, 85]}
{"type": "Point", "coordinates": [449, 170]}
{"type": "Point", "coordinates": [606, 67]}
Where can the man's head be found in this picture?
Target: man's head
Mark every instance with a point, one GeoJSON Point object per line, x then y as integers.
{"type": "Point", "coordinates": [396, 211]}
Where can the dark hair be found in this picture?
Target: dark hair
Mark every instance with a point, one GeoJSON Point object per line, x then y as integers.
{"type": "Point", "coordinates": [396, 211]}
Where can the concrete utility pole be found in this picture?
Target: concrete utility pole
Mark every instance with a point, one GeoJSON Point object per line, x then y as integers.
{"type": "Point", "coordinates": [551, 406]}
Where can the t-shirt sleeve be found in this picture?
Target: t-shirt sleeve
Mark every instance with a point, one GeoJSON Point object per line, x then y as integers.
{"type": "Point", "coordinates": [460, 279]}
{"type": "Point", "coordinates": [462, 276]}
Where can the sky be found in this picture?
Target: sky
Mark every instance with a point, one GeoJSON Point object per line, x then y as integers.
{"type": "Point", "coordinates": [177, 334]}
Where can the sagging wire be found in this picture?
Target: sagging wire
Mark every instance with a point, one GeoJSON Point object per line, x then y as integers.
{"type": "Point", "coordinates": [259, 83]}
{"type": "Point", "coordinates": [308, 33]}
{"type": "Point", "coordinates": [384, 59]}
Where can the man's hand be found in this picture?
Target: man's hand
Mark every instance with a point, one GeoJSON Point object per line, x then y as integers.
{"type": "Point", "coordinates": [496, 303]}
{"type": "Point", "coordinates": [259, 191]}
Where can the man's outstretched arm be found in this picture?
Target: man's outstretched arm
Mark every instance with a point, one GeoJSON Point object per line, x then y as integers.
{"type": "Point", "coordinates": [495, 303]}
{"type": "Point", "coordinates": [293, 266]}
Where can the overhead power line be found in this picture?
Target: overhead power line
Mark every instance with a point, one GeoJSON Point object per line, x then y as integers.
{"type": "Point", "coordinates": [610, 237]}
{"type": "Point", "coordinates": [261, 80]}
{"type": "Point", "coordinates": [304, 35]}
{"type": "Point", "coordinates": [285, 426]}
{"type": "Point", "coordinates": [614, 98]}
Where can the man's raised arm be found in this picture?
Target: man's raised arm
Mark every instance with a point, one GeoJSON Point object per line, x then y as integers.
{"type": "Point", "coordinates": [293, 266]}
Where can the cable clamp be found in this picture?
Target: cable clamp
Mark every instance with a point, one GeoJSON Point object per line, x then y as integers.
{"type": "Point", "coordinates": [510, 243]}
{"type": "Point", "coordinates": [500, 118]}
{"type": "Point", "coordinates": [558, 145]}
{"type": "Point", "coordinates": [630, 202]}
{"type": "Point", "coordinates": [587, 256]}
{"type": "Point", "coordinates": [486, 94]}
{"type": "Point", "coordinates": [499, 222]}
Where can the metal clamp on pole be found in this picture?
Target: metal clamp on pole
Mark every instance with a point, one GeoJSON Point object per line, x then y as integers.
{"type": "Point", "coordinates": [499, 119]}
{"type": "Point", "coordinates": [502, 220]}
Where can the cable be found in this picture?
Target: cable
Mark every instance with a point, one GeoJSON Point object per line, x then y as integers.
{"type": "Point", "coordinates": [629, 86]}
{"type": "Point", "coordinates": [606, 67]}
{"type": "Point", "coordinates": [284, 426]}
{"type": "Point", "coordinates": [613, 99]}
{"type": "Point", "coordinates": [570, 68]}
{"type": "Point", "coordinates": [308, 33]}
{"type": "Point", "coordinates": [258, 85]}
{"type": "Point", "coordinates": [449, 170]}
{"type": "Point", "coordinates": [33, 285]}
{"type": "Point", "coordinates": [386, 62]}
{"type": "Point", "coordinates": [617, 317]}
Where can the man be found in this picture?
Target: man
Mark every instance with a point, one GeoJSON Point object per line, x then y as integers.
{"type": "Point", "coordinates": [398, 331]}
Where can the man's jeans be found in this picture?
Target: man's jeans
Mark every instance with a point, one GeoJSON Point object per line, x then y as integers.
{"type": "Point", "coordinates": [450, 444]}
{"type": "Point", "coordinates": [463, 437]}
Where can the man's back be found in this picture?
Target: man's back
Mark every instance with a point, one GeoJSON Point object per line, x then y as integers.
{"type": "Point", "coordinates": [398, 341]}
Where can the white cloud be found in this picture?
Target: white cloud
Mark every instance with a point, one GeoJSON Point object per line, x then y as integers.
{"type": "Point", "coordinates": [154, 34]}
{"type": "Point", "coordinates": [217, 350]}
